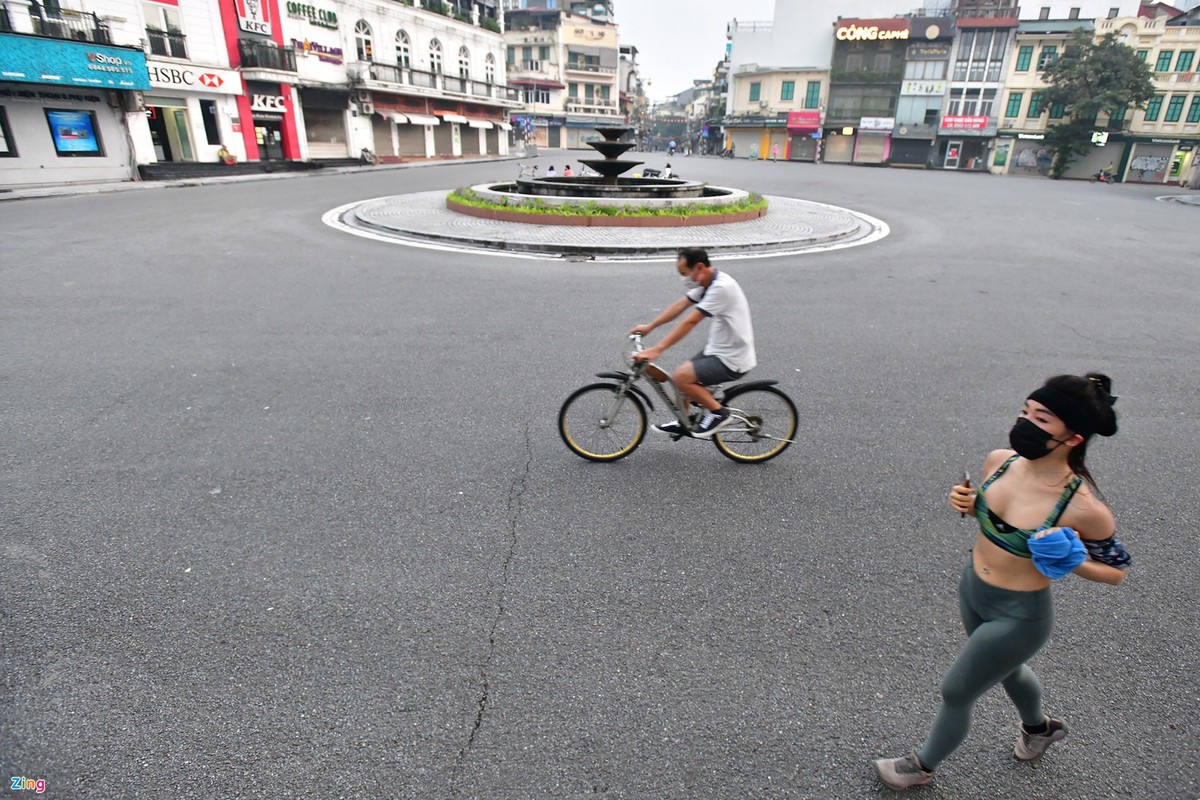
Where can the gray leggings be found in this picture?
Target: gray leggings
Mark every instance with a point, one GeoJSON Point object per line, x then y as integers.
{"type": "Point", "coordinates": [1004, 630]}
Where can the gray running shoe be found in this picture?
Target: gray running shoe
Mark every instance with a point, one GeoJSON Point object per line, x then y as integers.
{"type": "Point", "coordinates": [1031, 745]}
{"type": "Point", "coordinates": [903, 772]}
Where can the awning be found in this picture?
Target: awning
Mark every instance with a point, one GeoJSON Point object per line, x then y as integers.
{"type": "Point", "coordinates": [394, 116]}
{"type": "Point", "coordinates": [504, 126]}
{"type": "Point", "coordinates": [480, 123]}
{"type": "Point", "coordinates": [461, 120]}
{"type": "Point", "coordinates": [421, 119]}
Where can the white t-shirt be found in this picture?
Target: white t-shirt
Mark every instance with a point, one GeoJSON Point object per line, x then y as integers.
{"type": "Point", "coordinates": [731, 337]}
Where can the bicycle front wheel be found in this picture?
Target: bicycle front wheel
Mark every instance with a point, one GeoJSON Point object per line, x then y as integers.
{"type": "Point", "coordinates": [601, 423]}
{"type": "Point", "coordinates": [765, 423]}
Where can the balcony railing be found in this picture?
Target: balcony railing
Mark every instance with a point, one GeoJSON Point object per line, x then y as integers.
{"type": "Point", "coordinates": [80, 26]}
{"type": "Point", "coordinates": [575, 106]}
{"type": "Point", "coordinates": [584, 66]}
{"type": "Point", "coordinates": [166, 43]}
{"type": "Point", "coordinates": [260, 55]}
{"type": "Point", "coordinates": [361, 72]}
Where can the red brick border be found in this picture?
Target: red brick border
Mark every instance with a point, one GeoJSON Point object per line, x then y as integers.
{"type": "Point", "coordinates": [603, 221]}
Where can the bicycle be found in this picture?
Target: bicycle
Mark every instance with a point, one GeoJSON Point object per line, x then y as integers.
{"type": "Point", "coordinates": [607, 421]}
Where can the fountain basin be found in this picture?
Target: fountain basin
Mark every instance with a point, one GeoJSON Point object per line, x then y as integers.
{"type": "Point", "coordinates": [540, 210]}
{"type": "Point", "coordinates": [652, 193]}
{"type": "Point", "coordinates": [628, 189]}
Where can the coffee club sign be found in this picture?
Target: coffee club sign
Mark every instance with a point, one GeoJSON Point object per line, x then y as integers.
{"type": "Point", "coordinates": [321, 17]}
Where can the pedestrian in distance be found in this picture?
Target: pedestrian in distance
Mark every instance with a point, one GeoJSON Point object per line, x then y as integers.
{"type": "Point", "coordinates": [775, 152]}
{"type": "Point", "coordinates": [550, 173]}
{"type": "Point", "coordinates": [1040, 518]}
{"type": "Point", "coordinates": [567, 173]}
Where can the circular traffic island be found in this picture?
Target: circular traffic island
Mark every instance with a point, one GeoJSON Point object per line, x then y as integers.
{"type": "Point", "coordinates": [779, 226]}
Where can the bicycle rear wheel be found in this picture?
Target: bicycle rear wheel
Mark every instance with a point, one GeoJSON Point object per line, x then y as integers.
{"type": "Point", "coordinates": [765, 424]}
{"type": "Point", "coordinates": [600, 423]}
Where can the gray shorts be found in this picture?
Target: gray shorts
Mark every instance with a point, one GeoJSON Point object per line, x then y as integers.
{"type": "Point", "coordinates": [711, 370]}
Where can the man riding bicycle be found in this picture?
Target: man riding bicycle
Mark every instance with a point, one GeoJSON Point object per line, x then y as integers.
{"type": "Point", "coordinates": [729, 353]}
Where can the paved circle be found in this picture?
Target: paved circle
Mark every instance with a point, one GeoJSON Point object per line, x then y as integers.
{"type": "Point", "coordinates": [791, 226]}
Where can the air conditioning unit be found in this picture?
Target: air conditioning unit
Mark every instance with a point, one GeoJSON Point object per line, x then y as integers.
{"type": "Point", "coordinates": [362, 96]}
{"type": "Point", "coordinates": [367, 108]}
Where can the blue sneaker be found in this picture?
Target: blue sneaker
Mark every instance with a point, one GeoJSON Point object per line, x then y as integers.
{"type": "Point", "coordinates": [713, 421]}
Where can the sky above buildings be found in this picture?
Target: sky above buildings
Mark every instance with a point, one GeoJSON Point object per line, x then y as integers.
{"type": "Point", "coordinates": [681, 40]}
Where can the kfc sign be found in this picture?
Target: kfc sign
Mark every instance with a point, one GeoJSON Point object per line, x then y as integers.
{"type": "Point", "coordinates": [267, 103]}
{"type": "Point", "coordinates": [181, 77]}
{"type": "Point", "coordinates": [254, 16]}
{"type": "Point", "coordinates": [871, 30]}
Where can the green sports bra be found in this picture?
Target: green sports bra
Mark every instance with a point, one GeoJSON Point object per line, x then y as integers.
{"type": "Point", "coordinates": [1005, 536]}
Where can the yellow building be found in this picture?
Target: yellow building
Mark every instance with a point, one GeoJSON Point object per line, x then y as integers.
{"type": "Point", "coordinates": [1156, 144]}
{"type": "Point", "coordinates": [776, 111]}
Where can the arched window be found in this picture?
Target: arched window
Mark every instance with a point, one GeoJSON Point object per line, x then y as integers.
{"type": "Point", "coordinates": [362, 40]}
{"type": "Point", "coordinates": [464, 63]}
{"type": "Point", "coordinates": [403, 49]}
{"type": "Point", "coordinates": [435, 57]}
{"type": "Point", "coordinates": [489, 68]}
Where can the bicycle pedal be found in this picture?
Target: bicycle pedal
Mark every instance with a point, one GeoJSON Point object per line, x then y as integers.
{"type": "Point", "coordinates": [675, 437]}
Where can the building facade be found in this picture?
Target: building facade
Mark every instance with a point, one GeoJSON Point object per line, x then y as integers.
{"type": "Point", "coordinates": [566, 66]}
{"type": "Point", "coordinates": [401, 81]}
{"type": "Point", "coordinates": [70, 79]}
{"type": "Point", "coordinates": [1156, 144]}
{"type": "Point", "coordinates": [776, 111]}
{"type": "Point", "coordinates": [970, 114]}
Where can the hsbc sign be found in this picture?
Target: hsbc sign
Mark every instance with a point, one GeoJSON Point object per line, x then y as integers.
{"type": "Point", "coordinates": [184, 77]}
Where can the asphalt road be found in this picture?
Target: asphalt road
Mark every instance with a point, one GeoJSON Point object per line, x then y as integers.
{"type": "Point", "coordinates": [285, 514]}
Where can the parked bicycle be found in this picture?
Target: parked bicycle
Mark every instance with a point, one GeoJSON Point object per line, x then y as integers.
{"type": "Point", "coordinates": [607, 421]}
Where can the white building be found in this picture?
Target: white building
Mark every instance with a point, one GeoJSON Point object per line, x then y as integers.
{"type": "Point", "coordinates": [567, 67]}
{"type": "Point", "coordinates": [400, 81]}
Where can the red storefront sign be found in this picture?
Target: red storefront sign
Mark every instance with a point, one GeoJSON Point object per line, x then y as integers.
{"type": "Point", "coordinates": [803, 120]}
{"type": "Point", "coordinates": [964, 123]}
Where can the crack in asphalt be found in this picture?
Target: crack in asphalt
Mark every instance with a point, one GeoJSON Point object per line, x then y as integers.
{"type": "Point", "coordinates": [515, 504]}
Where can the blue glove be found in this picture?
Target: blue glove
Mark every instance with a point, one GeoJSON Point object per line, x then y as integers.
{"type": "Point", "coordinates": [1058, 553]}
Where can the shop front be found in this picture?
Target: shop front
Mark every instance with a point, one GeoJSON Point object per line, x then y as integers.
{"type": "Point", "coordinates": [912, 146]}
{"type": "Point", "coordinates": [839, 145]}
{"type": "Point", "coordinates": [326, 113]}
{"type": "Point", "coordinates": [804, 135]}
{"type": "Point", "coordinates": [874, 140]}
{"type": "Point", "coordinates": [189, 113]}
{"type": "Point", "coordinates": [964, 142]}
{"type": "Point", "coordinates": [64, 108]}
{"type": "Point", "coordinates": [1159, 160]}
{"type": "Point", "coordinates": [273, 129]}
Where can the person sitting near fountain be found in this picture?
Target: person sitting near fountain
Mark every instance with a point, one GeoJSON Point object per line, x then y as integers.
{"type": "Point", "coordinates": [729, 353]}
{"type": "Point", "coordinates": [567, 173]}
{"type": "Point", "coordinates": [550, 173]}
{"type": "Point", "coordinates": [666, 173]}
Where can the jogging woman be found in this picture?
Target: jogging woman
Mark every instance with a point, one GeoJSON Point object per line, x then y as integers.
{"type": "Point", "coordinates": [1040, 518]}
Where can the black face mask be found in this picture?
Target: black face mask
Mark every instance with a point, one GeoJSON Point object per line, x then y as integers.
{"type": "Point", "coordinates": [1029, 440]}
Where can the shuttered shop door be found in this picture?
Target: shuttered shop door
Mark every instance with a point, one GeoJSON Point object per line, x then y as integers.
{"type": "Point", "coordinates": [871, 149]}
{"type": "Point", "coordinates": [839, 149]}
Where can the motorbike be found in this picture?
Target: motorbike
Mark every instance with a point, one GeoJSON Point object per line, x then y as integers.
{"type": "Point", "coordinates": [1103, 176]}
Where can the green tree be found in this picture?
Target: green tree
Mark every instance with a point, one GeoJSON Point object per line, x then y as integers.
{"type": "Point", "coordinates": [1091, 77]}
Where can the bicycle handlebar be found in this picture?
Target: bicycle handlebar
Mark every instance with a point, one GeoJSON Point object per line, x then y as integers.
{"type": "Point", "coordinates": [637, 342]}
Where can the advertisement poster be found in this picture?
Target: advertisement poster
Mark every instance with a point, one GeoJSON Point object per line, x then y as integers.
{"type": "Point", "coordinates": [74, 133]}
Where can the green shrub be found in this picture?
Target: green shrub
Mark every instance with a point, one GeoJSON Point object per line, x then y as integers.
{"type": "Point", "coordinates": [591, 208]}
